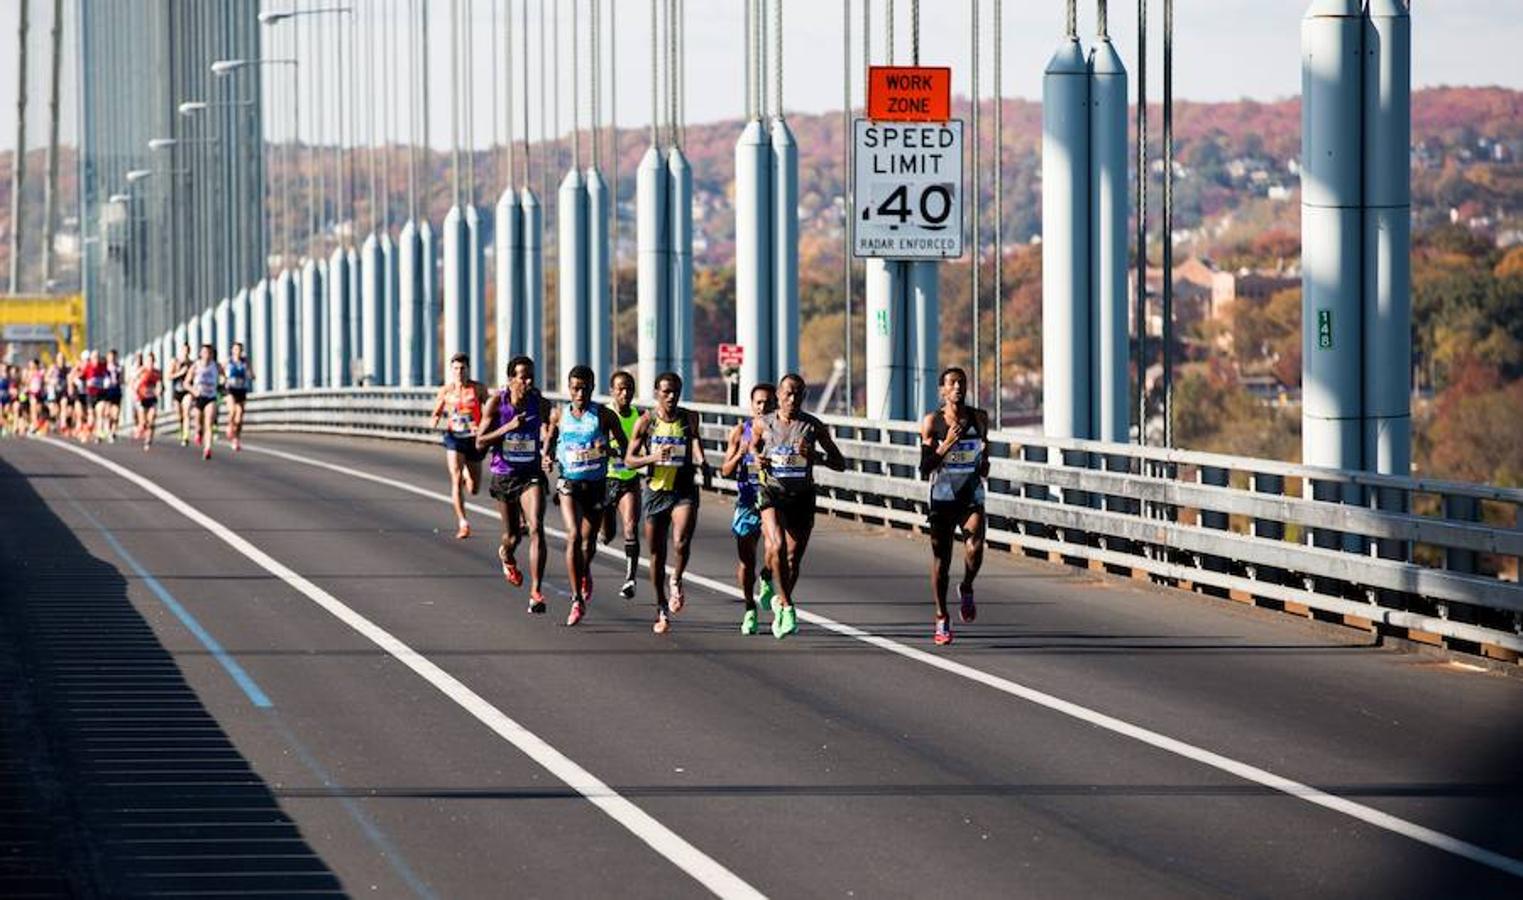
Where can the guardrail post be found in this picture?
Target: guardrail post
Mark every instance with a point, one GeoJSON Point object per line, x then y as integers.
{"type": "Point", "coordinates": [1462, 509]}
{"type": "Point", "coordinates": [1215, 519]}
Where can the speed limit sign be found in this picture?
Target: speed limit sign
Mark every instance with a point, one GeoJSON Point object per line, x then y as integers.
{"type": "Point", "coordinates": [908, 190]}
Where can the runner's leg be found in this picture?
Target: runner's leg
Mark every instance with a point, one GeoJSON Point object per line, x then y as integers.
{"type": "Point", "coordinates": [532, 501]}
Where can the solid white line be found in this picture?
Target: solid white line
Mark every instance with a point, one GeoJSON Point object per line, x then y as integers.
{"type": "Point", "coordinates": [1263, 777]}
{"type": "Point", "coordinates": [703, 868]}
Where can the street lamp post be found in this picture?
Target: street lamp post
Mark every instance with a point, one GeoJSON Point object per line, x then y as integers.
{"type": "Point", "coordinates": [224, 67]}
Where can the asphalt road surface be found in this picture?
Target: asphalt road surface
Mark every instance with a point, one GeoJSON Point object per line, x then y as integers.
{"type": "Point", "coordinates": [281, 674]}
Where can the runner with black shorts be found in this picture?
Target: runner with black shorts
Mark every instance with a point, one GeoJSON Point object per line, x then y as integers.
{"type": "Point", "coordinates": [954, 456]}
{"type": "Point", "coordinates": [239, 377]}
{"type": "Point", "coordinates": [787, 444]}
{"type": "Point", "coordinates": [459, 403]}
{"type": "Point", "coordinates": [204, 381]}
{"type": "Point", "coordinates": [179, 391]}
{"type": "Point", "coordinates": [516, 417]}
{"type": "Point", "coordinates": [622, 506]}
{"type": "Point", "coordinates": [740, 464]}
{"type": "Point", "coordinates": [146, 388]}
{"type": "Point", "coordinates": [579, 435]}
{"type": "Point", "coordinates": [666, 439]}
{"type": "Point", "coordinates": [111, 395]}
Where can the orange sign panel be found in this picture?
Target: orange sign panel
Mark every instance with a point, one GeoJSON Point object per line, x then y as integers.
{"type": "Point", "coordinates": [909, 93]}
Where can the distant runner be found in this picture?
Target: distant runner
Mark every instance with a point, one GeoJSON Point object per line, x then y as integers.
{"type": "Point", "coordinates": [179, 392]}
{"type": "Point", "coordinates": [146, 388]}
{"type": "Point", "coordinates": [239, 377]}
{"type": "Point", "coordinates": [740, 464]}
{"type": "Point", "coordinates": [666, 439]}
{"type": "Point", "coordinates": [953, 454]}
{"type": "Point", "coordinates": [204, 381]}
{"type": "Point", "coordinates": [516, 417]}
{"type": "Point", "coordinates": [787, 444]}
{"type": "Point", "coordinates": [578, 436]}
{"type": "Point", "coordinates": [460, 403]}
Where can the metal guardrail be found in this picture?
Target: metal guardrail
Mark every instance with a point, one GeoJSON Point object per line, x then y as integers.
{"type": "Point", "coordinates": [1427, 560]}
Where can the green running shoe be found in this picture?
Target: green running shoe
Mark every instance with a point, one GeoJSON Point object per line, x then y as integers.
{"type": "Point", "coordinates": [748, 623]}
{"type": "Point", "coordinates": [785, 624]}
{"type": "Point", "coordinates": [764, 594]}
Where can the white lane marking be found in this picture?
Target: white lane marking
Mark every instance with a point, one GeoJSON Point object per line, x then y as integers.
{"type": "Point", "coordinates": [641, 824]}
{"type": "Point", "coordinates": [1245, 771]}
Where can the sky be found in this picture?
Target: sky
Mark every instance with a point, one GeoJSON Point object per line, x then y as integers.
{"type": "Point", "coordinates": [1224, 50]}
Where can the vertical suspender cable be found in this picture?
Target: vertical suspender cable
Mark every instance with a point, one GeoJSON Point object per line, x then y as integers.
{"type": "Point", "coordinates": [848, 195]}
{"type": "Point", "coordinates": [509, 163]}
{"type": "Point", "coordinates": [1168, 223]}
{"type": "Point", "coordinates": [576, 96]}
{"type": "Point", "coordinates": [915, 32]}
{"type": "Point", "coordinates": [544, 106]}
{"type": "Point", "coordinates": [594, 50]}
{"type": "Point", "coordinates": [613, 146]}
{"type": "Point", "coordinates": [468, 109]}
{"type": "Point", "coordinates": [777, 64]}
{"type": "Point", "coordinates": [524, 28]}
{"type": "Point", "coordinates": [745, 40]}
{"type": "Point", "coordinates": [999, 214]}
{"type": "Point", "coordinates": [655, 94]}
{"type": "Point", "coordinates": [496, 79]}
{"type": "Point", "coordinates": [555, 81]}
{"type": "Point", "coordinates": [455, 97]}
{"type": "Point", "coordinates": [1141, 306]}
{"type": "Point", "coordinates": [888, 31]}
{"type": "Point", "coordinates": [976, 184]}
{"type": "Point", "coordinates": [412, 122]}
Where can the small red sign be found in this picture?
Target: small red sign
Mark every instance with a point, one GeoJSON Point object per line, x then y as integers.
{"type": "Point", "coordinates": [731, 355]}
{"type": "Point", "coordinates": [909, 93]}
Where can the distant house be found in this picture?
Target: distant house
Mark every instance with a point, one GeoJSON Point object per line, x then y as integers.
{"type": "Point", "coordinates": [1203, 292]}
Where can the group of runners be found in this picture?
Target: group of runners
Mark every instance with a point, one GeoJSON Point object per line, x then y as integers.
{"type": "Point", "coordinates": [616, 466]}
{"type": "Point", "coordinates": [88, 401]}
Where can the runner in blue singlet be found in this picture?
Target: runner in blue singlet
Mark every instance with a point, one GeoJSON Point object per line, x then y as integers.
{"type": "Point", "coordinates": [740, 464]}
{"type": "Point", "coordinates": [581, 436]}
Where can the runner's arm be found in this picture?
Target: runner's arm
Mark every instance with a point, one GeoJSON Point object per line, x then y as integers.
{"type": "Point", "coordinates": [930, 454]}
{"type": "Point", "coordinates": [637, 441]}
{"type": "Point", "coordinates": [433, 421]}
{"type": "Point", "coordinates": [831, 454]}
{"type": "Point", "coordinates": [696, 441]}
{"type": "Point", "coordinates": [613, 429]}
{"type": "Point", "coordinates": [733, 453]}
{"type": "Point", "coordinates": [983, 429]}
{"type": "Point", "coordinates": [551, 435]}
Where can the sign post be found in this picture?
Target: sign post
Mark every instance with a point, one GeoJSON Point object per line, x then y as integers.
{"type": "Point", "coordinates": [730, 358]}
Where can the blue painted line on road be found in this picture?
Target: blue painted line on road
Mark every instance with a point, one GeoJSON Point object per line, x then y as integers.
{"type": "Point", "coordinates": [371, 830]}
{"type": "Point", "coordinates": [235, 671]}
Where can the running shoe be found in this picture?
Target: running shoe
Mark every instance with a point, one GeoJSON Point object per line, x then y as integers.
{"type": "Point", "coordinates": [207, 452]}
{"type": "Point", "coordinates": [587, 588]}
{"type": "Point", "coordinates": [785, 623]}
{"type": "Point", "coordinates": [748, 623]}
{"type": "Point", "coordinates": [237, 444]}
{"type": "Point", "coordinates": [967, 611]}
{"type": "Point", "coordinates": [662, 626]}
{"type": "Point", "coordinates": [577, 608]}
{"type": "Point", "coordinates": [537, 603]}
{"type": "Point", "coordinates": [764, 593]}
{"type": "Point", "coordinates": [627, 589]}
{"type": "Point", "coordinates": [464, 531]}
{"type": "Point", "coordinates": [676, 600]}
{"type": "Point", "coordinates": [943, 634]}
{"type": "Point", "coordinates": [510, 570]}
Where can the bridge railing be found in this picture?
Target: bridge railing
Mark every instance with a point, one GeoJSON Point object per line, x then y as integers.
{"type": "Point", "coordinates": [1427, 560]}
